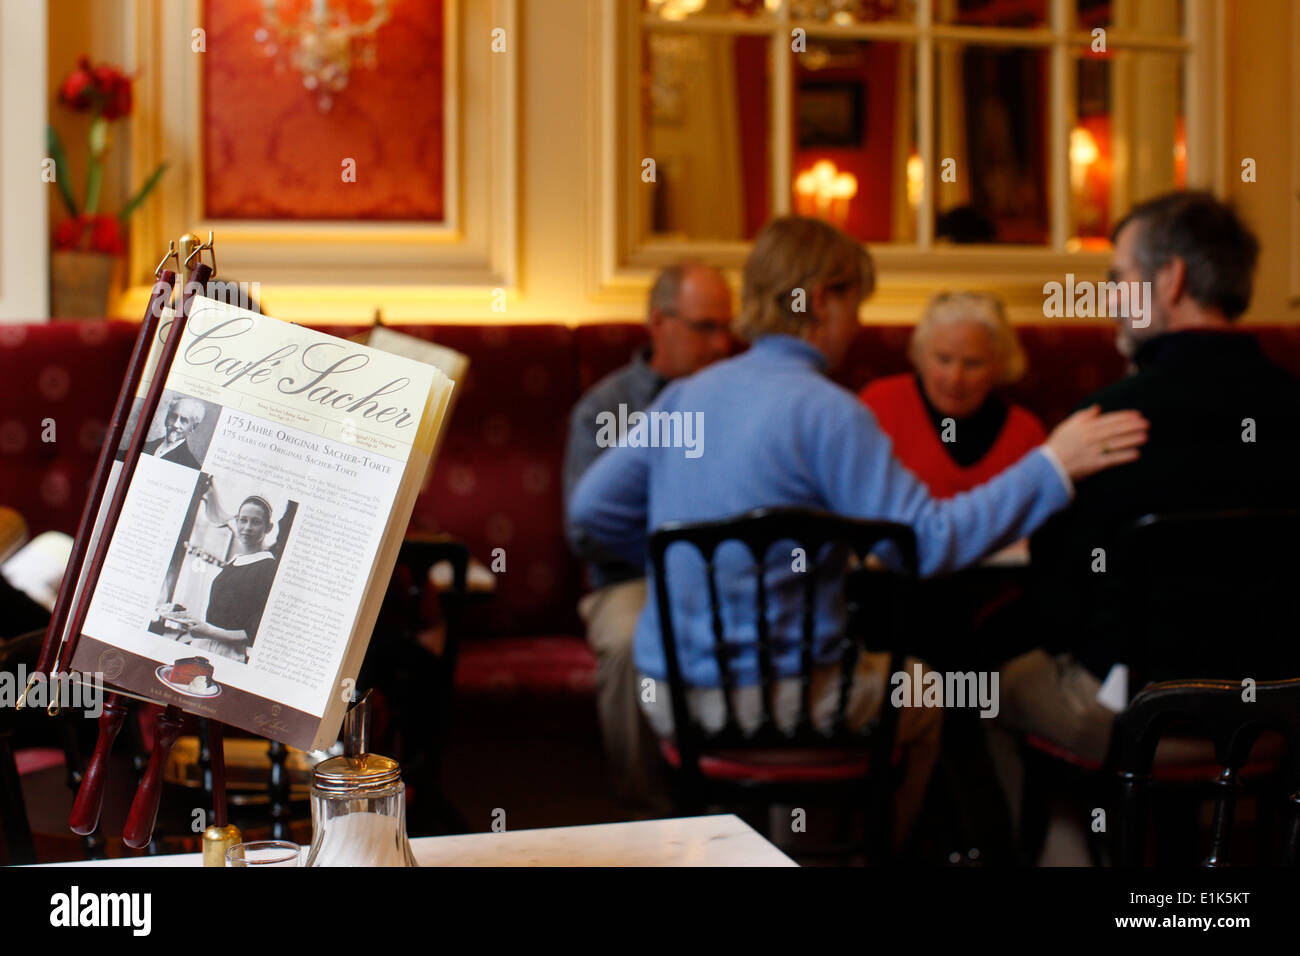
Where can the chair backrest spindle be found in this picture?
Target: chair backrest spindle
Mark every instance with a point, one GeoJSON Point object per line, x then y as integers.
{"type": "Point", "coordinates": [806, 633]}
{"type": "Point", "coordinates": [759, 531]}
{"type": "Point", "coordinates": [766, 683]}
{"type": "Point", "coordinates": [720, 643]}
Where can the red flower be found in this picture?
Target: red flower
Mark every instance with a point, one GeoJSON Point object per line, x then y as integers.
{"type": "Point", "coordinates": [77, 90]}
{"type": "Point", "coordinates": [114, 88]}
{"type": "Point", "coordinates": [67, 235]}
{"type": "Point", "coordinates": [105, 89]}
{"type": "Point", "coordinates": [105, 235]}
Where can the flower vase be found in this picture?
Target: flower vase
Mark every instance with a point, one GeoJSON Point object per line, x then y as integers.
{"type": "Point", "coordinates": [79, 284]}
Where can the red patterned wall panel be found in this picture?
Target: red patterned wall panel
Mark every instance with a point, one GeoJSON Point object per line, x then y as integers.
{"type": "Point", "coordinates": [271, 153]}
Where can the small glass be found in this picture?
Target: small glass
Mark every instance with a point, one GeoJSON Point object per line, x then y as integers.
{"type": "Point", "coordinates": [264, 853]}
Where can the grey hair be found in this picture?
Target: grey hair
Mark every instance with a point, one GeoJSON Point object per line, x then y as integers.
{"type": "Point", "coordinates": [978, 308]}
{"type": "Point", "coordinates": [668, 285]}
{"type": "Point", "coordinates": [1218, 248]}
{"type": "Point", "coordinates": [184, 402]}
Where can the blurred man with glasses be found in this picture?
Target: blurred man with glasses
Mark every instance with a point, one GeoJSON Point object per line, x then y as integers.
{"type": "Point", "coordinates": [689, 321]}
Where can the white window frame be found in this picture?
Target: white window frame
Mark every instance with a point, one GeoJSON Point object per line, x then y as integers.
{"type": "Point", "coordinates": [624, 263]}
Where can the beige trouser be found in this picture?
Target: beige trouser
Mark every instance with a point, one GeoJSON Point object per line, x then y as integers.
{"type": "Point", "coordinates": [631, 750]}
{"type": "Point", "coordinates": [1055, 697]}
{"type": "Point", "coordinates": [919, 728]}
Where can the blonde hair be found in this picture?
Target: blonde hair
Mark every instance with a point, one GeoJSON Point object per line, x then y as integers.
{"type": "Point", "coordinates": [796, 253]}
{"type": "Point", "coordinates": [979, 308]}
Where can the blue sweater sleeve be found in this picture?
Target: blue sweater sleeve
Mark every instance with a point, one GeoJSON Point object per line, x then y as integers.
{"type": "Point", "coordinates": [609, 504]}
{"type": "Point", "coordinates": [853, 462]}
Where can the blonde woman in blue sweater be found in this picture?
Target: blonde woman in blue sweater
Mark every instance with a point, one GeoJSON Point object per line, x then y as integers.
{"type": "Point", "coordinates": [777, 432]}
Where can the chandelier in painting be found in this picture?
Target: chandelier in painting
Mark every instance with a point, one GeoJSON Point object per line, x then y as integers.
{"type": "Point", "coordinates": [323, 44]}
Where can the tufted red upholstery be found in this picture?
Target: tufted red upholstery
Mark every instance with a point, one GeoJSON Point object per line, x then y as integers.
{"type": "Point", "coordinates": [781, 766]}
{"type": "Point", "coordinates": [498, 480]}
{"type": "Point", "coordinates": [498, 484]}
{"type": "Point", "coordinates": [69, 373]}
{"type": "Point", "coordinates": [550, 665]}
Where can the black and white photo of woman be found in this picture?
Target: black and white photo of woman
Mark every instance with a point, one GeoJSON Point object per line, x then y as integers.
{"type": "Point", "coordinates": [224, 621]}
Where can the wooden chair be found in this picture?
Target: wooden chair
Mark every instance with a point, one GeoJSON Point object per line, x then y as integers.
{"type": "Point", "coordinates": [850, 769]}
{"type": "Point", "coordinates": [1210, 594]}
{"type": "Point", "coordinates": [416, 681]}
{"type": "Point", "coordinates": [31, 741]}
{"type": "Point", "coordinates": [1234, 720]}
{"type": "Point", "coordinates": [1207, 595]}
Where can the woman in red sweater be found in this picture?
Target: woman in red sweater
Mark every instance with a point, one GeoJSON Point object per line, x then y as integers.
{"type": "Point", "coordinates": [948, 426]}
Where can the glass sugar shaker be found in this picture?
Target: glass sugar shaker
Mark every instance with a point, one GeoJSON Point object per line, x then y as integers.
{"type": "Point", "coordinates": [358, 803]}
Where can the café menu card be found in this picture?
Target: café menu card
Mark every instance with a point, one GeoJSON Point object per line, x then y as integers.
{"type": "Point", "coordinates": [262, 522]}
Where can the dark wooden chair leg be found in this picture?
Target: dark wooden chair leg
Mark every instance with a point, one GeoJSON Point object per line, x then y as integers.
{"type": "Point", "coordinates": [278, 792]}
{"type": "Point", "coordinates": [74, 763]}
{"type": "Point", "coordinates": [1290, 820]}
{"type": "Point", "coordinates": [1035, 809]}
{"type": "Point", "coordinates": [1130, 825]}
{"type": "Point", "coordinates": [139, 752]}
{"type": "Point", "coordinates": [1098, 842]}
{"type": "Point", "coordinates": [205, 759]}
{"type": "Point", "coordinates": [13, 812]}
{"type": "Point", "coordinates": [1228, 787]}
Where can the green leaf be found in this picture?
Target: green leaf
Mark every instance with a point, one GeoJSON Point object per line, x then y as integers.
{"type": "Point", "coordinates": [55, 147]}
{"type": "Point", "coordinates": [141, 194]}
{"type": "Point", "coordinates": [94, 180]}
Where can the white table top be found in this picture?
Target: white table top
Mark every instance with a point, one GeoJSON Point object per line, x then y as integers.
{"type": "Point", "coordinates": [722, 840]}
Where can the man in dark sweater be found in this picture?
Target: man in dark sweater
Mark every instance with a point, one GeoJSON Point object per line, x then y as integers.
{"type": "Point", "coordinates": [689, 321]}
{"type": "Point", "coordinates": [1225, 433]}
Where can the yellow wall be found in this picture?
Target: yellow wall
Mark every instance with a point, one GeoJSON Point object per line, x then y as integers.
{"type": "Point", "coordinates": [556, 154]}
{"type": "Point", "coordinates": [1262, 121]}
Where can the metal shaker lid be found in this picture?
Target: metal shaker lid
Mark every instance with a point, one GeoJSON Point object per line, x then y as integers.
{"type": "Point", "coordinates": [356, 771]}
{"type": "Point", "coordinates": [368, 772]}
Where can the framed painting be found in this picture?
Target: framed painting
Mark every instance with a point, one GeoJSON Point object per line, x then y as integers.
{"type": "Point", "coordinates": [321, 111]}
{"type": "Point", "coordinates": [337, 197]}
{"type": "Point", "coordinates": [831, 115]}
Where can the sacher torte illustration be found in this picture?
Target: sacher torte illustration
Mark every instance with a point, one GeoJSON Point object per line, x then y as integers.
{"type": "Point", "coordinates": [186, 670]}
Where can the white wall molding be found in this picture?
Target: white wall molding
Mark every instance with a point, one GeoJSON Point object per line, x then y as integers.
{"type": "Point", "coordinates": [24, 199]}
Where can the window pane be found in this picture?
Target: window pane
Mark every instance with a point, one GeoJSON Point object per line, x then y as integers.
{"type": "Point", "coordinates": [854, 107]}
{"type": "Point", "coordinates": [1154, 17]}
{"type": "Point", "coordinates": [1129, 142]}
{"type": "Point", "coordinates": [704, 121]}
{"type": "Point", "coordinates": [848, 12]}
{"type": "Point", "coordinates": [682, 9]}
{"type": "Point", "coordinates": [991, 13]}
{"type": "Point", "coordinates": [991, 152]}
